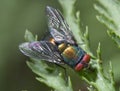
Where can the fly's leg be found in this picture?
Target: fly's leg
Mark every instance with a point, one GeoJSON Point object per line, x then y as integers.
{"type": "Point", "coordinates": [86, 65]}
{"type": "Point", "coordinates": [65, 73]}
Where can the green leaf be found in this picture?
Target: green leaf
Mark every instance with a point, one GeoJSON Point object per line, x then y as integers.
{"type": "Point", "coordinates": [115, 37]}
{"type": "Point", "coordinates": [29, 36]}
{"type": "Point", "coordinates": [109, 11]}
{"type": "Point", "coordinates": [50, 76]}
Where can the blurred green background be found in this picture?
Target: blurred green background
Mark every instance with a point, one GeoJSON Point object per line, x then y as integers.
{"type": "Point", "coordinates": [18, 15]}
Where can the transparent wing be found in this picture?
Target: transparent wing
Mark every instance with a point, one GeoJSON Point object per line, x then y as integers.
{"type": "Point", "coordinates": [41, 50]}
{"type": "Point", "coordinates": [58, 27]}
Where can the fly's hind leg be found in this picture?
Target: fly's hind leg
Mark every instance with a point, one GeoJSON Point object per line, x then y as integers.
{"type": "Point", "coordinates": [65, 73]}
{"type": "Point", "coordinates": [86, 65]}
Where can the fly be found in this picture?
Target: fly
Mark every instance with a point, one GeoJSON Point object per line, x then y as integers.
{"type": "Point", "coordinates": [61, 48]}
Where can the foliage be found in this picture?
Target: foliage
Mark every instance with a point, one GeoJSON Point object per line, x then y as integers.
{"type": "Point", "coordinates": [109, 11]}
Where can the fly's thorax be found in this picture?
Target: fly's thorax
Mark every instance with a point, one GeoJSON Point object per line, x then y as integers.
{"type": "Point", "coordinates": [62, 47]}
{"type": "Point", "coordinates": [69, 52]}
{"type": "Point", "coordinates": [69, 55]}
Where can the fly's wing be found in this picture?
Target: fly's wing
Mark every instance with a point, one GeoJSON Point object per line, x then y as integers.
{"type": "Point", "coordinates": [58, 27]}
{"type": "Point", "coordinates": [41, 50]}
